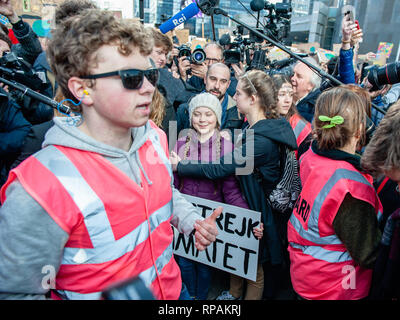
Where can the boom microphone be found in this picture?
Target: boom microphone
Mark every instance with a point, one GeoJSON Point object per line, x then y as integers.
{"type": "Point", "coordinates": [190, 11]}
{"type": "Point", "coordinates": [225, 40]}
{"type": "Point", "coordinates": [206, 6]}
{"type": "Point", "coordinates": [257, 5]}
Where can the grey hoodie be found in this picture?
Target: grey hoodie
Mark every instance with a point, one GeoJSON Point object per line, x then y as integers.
{"type": "Point", "coordinates": [31, 243]}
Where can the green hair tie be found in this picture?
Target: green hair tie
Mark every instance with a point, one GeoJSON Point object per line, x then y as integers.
{"type": "Point", "coordinates": [333, 121]}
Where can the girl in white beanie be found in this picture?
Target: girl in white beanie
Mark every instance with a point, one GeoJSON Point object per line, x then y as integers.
{"type": "Point", "coordinates": [204, 143]}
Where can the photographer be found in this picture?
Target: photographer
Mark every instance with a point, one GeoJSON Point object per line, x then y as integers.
{"type": "Point", "coordinates": [214, 54]}
{"type": "Point", "coordinates": [21, 57]}
{"type": "Point", "coordinates": [13, 130]}
{"type": "Point", "coordinates": [17, 70]}
{"type": "Point", "coordinates": [174, 90]}
{"type": "Point", "coordinates": [29, 46]}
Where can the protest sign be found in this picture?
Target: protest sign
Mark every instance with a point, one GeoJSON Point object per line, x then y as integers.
{"type": "Point", "coordinates": [307, 47]}
{"type": "Point", "coordinates": [324, 55]}
{"type": "Point", "coordinates": [182, 35]}
{"type": "Point", "coordinates": [385, 49]}
{"type": "Point", "coordinates": [236, 248]}
{"type": "Point", "coordinates": [276, 54]}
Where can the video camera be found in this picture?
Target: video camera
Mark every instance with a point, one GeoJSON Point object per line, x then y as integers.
{"type": "Point", "coordinates": [239, 48]}
{"type": "Point", "coordinates": [278, 19]}
{"type": "Point", "coordinates": [17, 69]}
{"type": "Point", "coordinates": [278, 22]}
{"type": "Point", "coordinates": [198, 56]}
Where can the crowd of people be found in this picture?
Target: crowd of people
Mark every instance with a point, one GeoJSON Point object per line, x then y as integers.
{"type": "Point", "coordinates": [91, 195]}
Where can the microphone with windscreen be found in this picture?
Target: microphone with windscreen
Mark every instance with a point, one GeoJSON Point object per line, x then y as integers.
{"type": "Point", "coordinates": [207, 6]}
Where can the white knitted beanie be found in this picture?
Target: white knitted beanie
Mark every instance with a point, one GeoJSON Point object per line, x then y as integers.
{"type": "Point", "coordinates": [207, 100]}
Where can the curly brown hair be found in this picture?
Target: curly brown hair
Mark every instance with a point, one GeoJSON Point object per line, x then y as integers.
{"type": "Point", "coordinates": [72, 50]}
{"type": "Point", "coordinates": [71, 8]}
{"type": "Point", "coordinates": [383, 151]}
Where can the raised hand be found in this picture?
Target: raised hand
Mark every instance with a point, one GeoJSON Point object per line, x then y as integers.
{"type": "Point", "coordinates": [7, 9]}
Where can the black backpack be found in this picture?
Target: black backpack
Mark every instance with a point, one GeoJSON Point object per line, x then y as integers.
{"type": "Point", "coordinates": [284, 196]}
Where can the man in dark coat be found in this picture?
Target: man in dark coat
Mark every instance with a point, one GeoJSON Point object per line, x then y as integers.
{"type": "Point", "coordinates": [13, 130]}
{"type": "Point", "coordinates": [29, 46]}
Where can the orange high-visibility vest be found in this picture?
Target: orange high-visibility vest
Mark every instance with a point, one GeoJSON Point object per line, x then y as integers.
{"type": "Point", "coordinates": [321, 267]}
{"type": "Point", "coordinates": [117, 229]}
{"type": "Point", "coordinates": [301, 129]}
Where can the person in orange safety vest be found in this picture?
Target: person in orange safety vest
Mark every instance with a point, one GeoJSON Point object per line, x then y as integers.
{"type": "Point", "coordinates": [95, 206]}
{"type": "Point", "coordinates": [301, 127]}
{"type": "Point", "coordinates": [333, 231]}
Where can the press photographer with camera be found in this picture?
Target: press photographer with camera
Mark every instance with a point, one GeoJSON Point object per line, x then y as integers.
{"type": "Point", "coordinates": [13, 130]}
{"type": "Point", "coordinates": [29, 46]}
{"type": "Point", "coordinates": [16, 65]}
{"type": "Point", "coordinates": [13, 126]}
{"type": "Point", "coordinates": [198, 68]}
{"type": "Point", "coordinates": [193, 70]}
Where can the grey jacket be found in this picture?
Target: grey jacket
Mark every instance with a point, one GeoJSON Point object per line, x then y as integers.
{"type": "Point", "coordinates": [31, 241]}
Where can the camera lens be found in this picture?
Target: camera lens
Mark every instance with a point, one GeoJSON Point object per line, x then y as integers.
{"type": "Point", "coordinates": [184, 51]}
{"type": "Point", "coordinates": [198, 56]}
{"type": "Point", "coordinates": [388, 74]}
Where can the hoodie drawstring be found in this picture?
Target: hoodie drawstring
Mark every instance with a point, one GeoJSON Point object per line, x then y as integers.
{"type": "Point", "coordinates": [142, 169]}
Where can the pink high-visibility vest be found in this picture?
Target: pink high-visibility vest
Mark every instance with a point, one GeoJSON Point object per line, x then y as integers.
{"type": "Point", "coordinates": [301, 129]}
{"type": "Point", "coordinates": [321, 267]}
{"type": "Point", "coordinates": [117, 229]}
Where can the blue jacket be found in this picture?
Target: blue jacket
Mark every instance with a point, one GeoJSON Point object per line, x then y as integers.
{"type": "Point", "coordinates": [13, 130]}
{"type": "Point", "coordinates": [346, 68]}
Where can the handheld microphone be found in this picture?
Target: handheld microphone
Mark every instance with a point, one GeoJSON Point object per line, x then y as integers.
{"type": "Point", "coordinates": [190, 11]}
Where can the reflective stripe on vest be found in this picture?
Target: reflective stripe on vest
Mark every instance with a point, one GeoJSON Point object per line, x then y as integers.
{"type": "Point", "coordinates": [322, 254]}
{"type": "Point", "coordinates": [299, 128]}
{"type": "Point", "coordinates": [70, 295]}
{"type": "Point", "coordinates": [148, 276]}
{"type": "Point", "coordinates": [312, 234]}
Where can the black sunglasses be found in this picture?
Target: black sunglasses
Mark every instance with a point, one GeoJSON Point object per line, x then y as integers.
{"type": "Point", "coordinates": [131, 78]}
